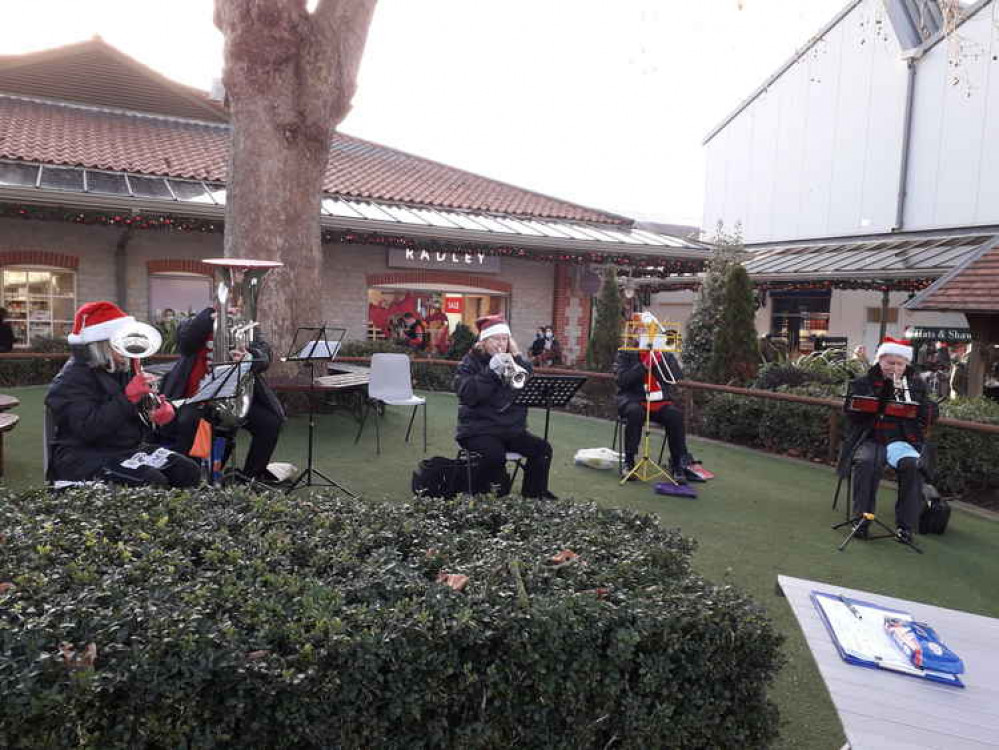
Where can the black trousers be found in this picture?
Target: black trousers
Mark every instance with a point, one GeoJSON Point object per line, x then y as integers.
{"type": "Point", "coordinates": [868, 466]}
{"type": "Point", "coordinates": [263, 425]}
{"type": "Point", "coordinates": [177, 471]}
{"type": "Point", "coordinates": [492, 464]}
{"type": "Point", "coordinates": [669, 417]}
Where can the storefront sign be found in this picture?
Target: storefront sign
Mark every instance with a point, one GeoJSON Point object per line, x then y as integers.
{"type": "Point", "coordinates": [454, 305]}
{"type": "Point", "coordinates": [830, 342]}
{"type": "Point", "coordinates": [932, 333]}
{"type": "Point", "coordinates": [469, 262]}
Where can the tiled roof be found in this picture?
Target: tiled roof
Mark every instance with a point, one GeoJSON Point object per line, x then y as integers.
{"type": "Point", "coordinates": [95, 73]}
{"type": "Point", "coordinates": [973, 286]}
{"type": "Point", "coordinates": [54, 133]}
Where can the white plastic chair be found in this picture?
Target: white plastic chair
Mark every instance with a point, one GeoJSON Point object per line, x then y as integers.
{"type": "Point", "coordinates": [391, 384]}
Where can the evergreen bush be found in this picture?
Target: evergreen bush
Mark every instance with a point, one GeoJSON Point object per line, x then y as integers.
{"type": "Point", "coordinates": [606, 336]}
{"type": "Point", "coordinates": [735, 356]}
{"type": "Point", "coordinates": [462, 340]}
{"type": "Point", "coordinates": [706, 317]}
{"type": "Point", "coordinates": [215, 619]}
{"type": "Point", "coordinates": [21, 372]}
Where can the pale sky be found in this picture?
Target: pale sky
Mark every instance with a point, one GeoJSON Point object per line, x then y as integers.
{"type": "Point", "coordinates": [601, 102]}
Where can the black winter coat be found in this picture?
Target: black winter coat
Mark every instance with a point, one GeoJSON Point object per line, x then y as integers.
{"type": "Point", "coordinates": [629, 374]}
{"type": "Point", "coordinates": [93, 420]}
{"type": "Point", "coordinates": [192, 337]}
{"type": "Point", "coordinates": [883, 428]}
{"type": "Point", "coordinates": [485, 402]}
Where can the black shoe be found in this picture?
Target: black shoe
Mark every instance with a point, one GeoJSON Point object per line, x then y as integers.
{"type": "Point", "coordinates": [861, 529]}
{"type": "Point", "coordinates": [903, 535]}
{"type": "Point", "coordinates": [679, 473]}
{"type": "Point", "coordinates": [626, 473]}
{"type": "Point", "coordinates": [549, 495]}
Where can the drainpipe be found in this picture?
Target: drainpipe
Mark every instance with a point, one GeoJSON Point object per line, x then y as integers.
{"type": "Point", "coordinates": [903, 169]}
{"type": "Point", "coordinates": [121, 267]}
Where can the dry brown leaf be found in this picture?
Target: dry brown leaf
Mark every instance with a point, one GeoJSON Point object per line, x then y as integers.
{"type": "Point", "coordinates": [257, 655]}
{"type": "Point", "coordinates": [564, 556]}
{"type": "Point", "coordinates": [457, 581]}
{"type": "Point", "coordinates": [5, 587]}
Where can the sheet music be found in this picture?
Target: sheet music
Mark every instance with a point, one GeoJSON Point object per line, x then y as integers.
{"type": "Point", "coordinates": [319, 350]}
{"type": "Point", "coordinates": [864, 638]}
{"type": "Point", "coordinates": [222, 382]}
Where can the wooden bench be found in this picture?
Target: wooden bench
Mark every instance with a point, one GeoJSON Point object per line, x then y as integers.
{"type": "Point", "coordinates": [8, 422]}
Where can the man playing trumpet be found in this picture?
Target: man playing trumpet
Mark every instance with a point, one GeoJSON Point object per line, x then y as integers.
{"type": "Point", "coordinates": [489, 422]}
{"type": "Point", "coordinates": [104, 413]}
{"type": "Point", "coordinates": [889, 410]}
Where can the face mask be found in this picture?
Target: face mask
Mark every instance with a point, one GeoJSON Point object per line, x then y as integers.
{"type": "Point", "coordinates": [548, 334]}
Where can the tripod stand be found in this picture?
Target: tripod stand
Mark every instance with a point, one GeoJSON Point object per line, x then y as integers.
{"type": "Point", "coordinates": [645, 469]}
{"type": "Point", "coordinates": [317, 347]}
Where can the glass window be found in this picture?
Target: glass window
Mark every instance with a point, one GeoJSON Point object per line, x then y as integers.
{"type": "Point", "coordinates": [149, 187]}
{"type": "Point", "coordinates": [218, 193]}
{"type": "Point", "coordinates": [105, 182]}
{"type": "Point", "coordinates": [62, 179]}
{"type": "Point", "coordinates": [190, 191]}
{"type": "Point", "coordinates": [40, 302]}
{"type": "Point", "coordinates": [23, 175]}
{"type": "Point", "coordinates": [800, 317]}
{"type": "Point", "coordinates": [178, 295]}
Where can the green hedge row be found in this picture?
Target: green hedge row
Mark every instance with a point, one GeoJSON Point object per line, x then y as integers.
{"type": "Point", "coordinates": [225, 619]}
{"type": "Point", "coordinates": [19, 372]}
{"type": "Point", "coordinates": [967, 461]}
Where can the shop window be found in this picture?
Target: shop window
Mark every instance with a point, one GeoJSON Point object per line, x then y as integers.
{"type": "Point", "coordinates": [800, 317]}
{"type": "Point", "coordinates": [874, 315]}
{"type": "Point", "coordinates": [40, 303]}
{"type": "Point", "coordinates": [178, 295]}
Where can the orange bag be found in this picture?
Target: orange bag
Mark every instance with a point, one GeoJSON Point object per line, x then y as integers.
{"type": "Point", "coordinates": [202, 445]}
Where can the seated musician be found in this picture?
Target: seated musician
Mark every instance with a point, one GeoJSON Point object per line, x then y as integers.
{"type": "Point", "coordinates": [887, 425]}
{"type": "Point", "coordinates": [489, 423]}
{"type": "Point", "coordinates": [97, 407]}
{"type": "Point", "coordinates": [195, 340]}
{"type": "Point", "coordinates": [639, 385]}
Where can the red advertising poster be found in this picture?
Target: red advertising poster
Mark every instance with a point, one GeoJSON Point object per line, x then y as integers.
{"type": "Point", "coordinates": [454, 304]}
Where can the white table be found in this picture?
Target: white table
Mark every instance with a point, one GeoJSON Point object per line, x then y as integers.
{"type": "Point", "coordinates": [882, 710]}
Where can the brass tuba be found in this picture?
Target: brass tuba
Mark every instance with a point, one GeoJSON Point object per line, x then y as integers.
{"type": "Point", "coordinates": [236, 292]}
{"type": "Point", "coordinates": [135, 341]}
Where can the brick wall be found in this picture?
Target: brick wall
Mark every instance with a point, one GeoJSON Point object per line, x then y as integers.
{"type": "Point", "coordinates": [571, 311]}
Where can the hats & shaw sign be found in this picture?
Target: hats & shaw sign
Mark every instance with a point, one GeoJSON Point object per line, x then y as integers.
{"type": "Point", "coordinates": [469, 262]}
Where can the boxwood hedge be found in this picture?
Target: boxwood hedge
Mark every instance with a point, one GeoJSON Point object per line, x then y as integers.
{"type": "Point", "coordinates": [142, 619]}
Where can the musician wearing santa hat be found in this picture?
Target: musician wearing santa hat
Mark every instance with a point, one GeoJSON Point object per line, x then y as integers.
{"type": "Point", "coordinates": [97, 407]}
{"type": "Point", "coordinates": [489, 422]}
{"type": "Point", "coordinates": [889, 410]}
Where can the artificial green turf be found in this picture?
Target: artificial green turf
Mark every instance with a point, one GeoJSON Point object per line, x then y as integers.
{"type": "Point", "coordinates": [762, 516]}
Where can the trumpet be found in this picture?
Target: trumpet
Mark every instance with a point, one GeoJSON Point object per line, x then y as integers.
{"type": "Point", "coordinates": [135, 342]}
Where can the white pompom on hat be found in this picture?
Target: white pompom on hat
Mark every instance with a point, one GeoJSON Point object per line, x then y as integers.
{"type": "Point", "coordinates": [492, 325]}
{"type": "Point", "coordinates": [897, 347]}
{"type": "Point", "coordinates": [97, 321]}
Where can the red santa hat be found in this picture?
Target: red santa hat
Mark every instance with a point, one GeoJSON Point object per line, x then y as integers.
{"type": "Point", "coordinates": [897, 347]}
{"type": "Point", "coordinates": [97, 321]}
{"type": "Point", "coordinates": [491, 325]}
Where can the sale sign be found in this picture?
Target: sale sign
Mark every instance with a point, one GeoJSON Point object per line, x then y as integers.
{"type": "Point", "coordinates": [454, 304]}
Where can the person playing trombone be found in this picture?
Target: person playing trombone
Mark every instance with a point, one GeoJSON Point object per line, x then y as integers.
{"type": "Point", "coordinates": [104, 413]}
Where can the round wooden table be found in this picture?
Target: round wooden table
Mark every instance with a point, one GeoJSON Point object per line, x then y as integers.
{"type": "Point", "coordinates": [8, 402]}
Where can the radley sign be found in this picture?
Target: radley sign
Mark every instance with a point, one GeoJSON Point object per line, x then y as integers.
{"type": "Point", "coordinates": [469, 262]}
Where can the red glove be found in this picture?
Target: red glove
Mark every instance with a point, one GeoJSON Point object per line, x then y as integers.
{"type": "Point", "coordinates": [163, 414]}
{"type": "Point", "coordinates": [137, 388]}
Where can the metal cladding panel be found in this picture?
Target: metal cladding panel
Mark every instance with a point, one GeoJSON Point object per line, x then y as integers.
{"type": "Point", "coordinates": [824, 60]}
{"type": "Point", "coordinates": [954, 161]}
{"type": "Point", "coordinates": [738, 165]}
{"type": "Point", "coordinates": [791, 90]}
{"type": "Point", "coordinates": [763, 162]}
{"type": "Point", "coordinates": [716, 158]}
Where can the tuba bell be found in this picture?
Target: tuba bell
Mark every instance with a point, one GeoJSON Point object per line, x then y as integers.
{"type": "Point", "coordinates": [237, 286]}
{"type": "Point", "coordinates": [136, 341]}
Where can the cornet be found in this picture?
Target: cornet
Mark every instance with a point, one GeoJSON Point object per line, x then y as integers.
{"type": "Point", "coordinates": [135, 342]}
{"type": "Point", "coordinates": [513, 374]}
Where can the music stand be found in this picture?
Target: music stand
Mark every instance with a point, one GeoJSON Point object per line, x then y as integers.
{"type": "Point", "coordinates": [547, 391]}
{"type": "Point", "coordinates": [312, 344]}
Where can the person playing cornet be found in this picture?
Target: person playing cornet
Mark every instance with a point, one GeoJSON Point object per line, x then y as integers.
{"type": "Point", "coordinates": [489, 423]}
{"type": "Point", "coordinates": [893, 434]}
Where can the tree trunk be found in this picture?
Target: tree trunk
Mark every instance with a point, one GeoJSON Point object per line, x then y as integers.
{"type": "Point", "coordinates": [289, 78]}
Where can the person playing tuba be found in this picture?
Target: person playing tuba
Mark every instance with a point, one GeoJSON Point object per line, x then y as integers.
{"type": "Point", "coordinates": [264, 416]}
{"type": "Point", "coordinates": [887, 426]}
{"type": "Point", "coordinates": [103, 423]}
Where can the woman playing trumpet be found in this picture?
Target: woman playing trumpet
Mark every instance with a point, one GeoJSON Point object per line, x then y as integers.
{"type": "Point", "coordinates": [489, 422]}
{"type": "Point", "coordinates": [102, 425]}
